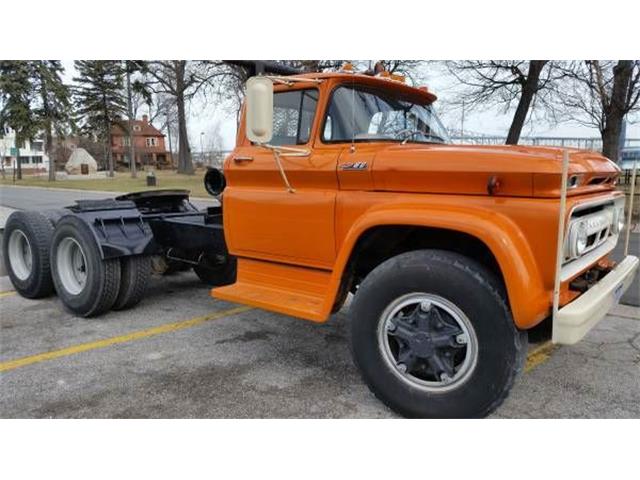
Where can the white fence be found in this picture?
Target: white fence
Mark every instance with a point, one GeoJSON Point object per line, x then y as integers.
{"type": "Point", "coordinates": [587, 143]}
{"type": "Point", "coordinates": [213, 158]}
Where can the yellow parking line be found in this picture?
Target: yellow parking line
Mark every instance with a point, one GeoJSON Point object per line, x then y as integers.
{"type": "Point", "coordinates": [83, 347]}
{"type": "Point", "coordinates": [8, 293]}
{"type": "Point", "coordinates": [539, 355]}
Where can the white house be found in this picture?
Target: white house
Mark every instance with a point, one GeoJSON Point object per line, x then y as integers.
{"type": "Point", "coordinates": [31, 154]}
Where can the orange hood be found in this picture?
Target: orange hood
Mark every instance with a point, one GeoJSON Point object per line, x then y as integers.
{"type": "Point", "coordinates": [470, 169]}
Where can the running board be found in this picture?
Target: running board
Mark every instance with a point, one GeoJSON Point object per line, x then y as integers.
{"type": "Point", "coordinates": [296, 291]}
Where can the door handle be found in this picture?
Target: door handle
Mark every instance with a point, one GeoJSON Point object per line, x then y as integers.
{"type": "Point", "coordinates": [242, 159]}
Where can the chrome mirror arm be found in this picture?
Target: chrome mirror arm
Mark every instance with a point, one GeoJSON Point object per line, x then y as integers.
{"type": "Point", "coordinates": [279, 152]}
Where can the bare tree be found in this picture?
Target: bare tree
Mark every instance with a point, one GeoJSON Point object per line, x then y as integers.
{"type": "Point", "coordinates": [215, 142]}
{"type": "Point", "coordinates": [163, 113]}
{"type": "Point", "coordinates": [411, 69]}
{"type": "Point", "coordinates": [599, 94]}
{"type": "Point", "coordinates": [182, 80]}
{"type": "Point", "coordinates": [505, 82]}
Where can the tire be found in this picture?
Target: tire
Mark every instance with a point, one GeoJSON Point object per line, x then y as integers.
{"type": "Point", "coordinates": [219, 275]}
{"type": "Point", "coordinates": [134, 275]}
{"type": "Point", "coordinates": [54, 216]}
{"type": "Point", "coordinates": [87, 285]}
{"type": "Point", "coordinates": [479, 351]}
{"type": "Point", "coordinates": [25, 249]}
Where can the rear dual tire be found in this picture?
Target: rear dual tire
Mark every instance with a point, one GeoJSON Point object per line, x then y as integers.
{"type": "Point", "coordinates": [88, 285]}
{"type": "Point", "coordinates": [134, 275]}
{"type": "Point", "coordinates": [25, 250]}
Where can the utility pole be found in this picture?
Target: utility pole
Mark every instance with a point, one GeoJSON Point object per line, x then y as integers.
{"type": "Point", "coordinates": [462, 121]}
{"type": "Point", "coordinates": [132, 148]}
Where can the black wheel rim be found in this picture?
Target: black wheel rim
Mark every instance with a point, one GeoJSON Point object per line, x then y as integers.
{"type": "Point", "coordinates": [428, 342]}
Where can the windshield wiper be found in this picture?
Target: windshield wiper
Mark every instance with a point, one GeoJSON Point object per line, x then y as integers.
{"type": "Point", "coordinates": [429, 138]}
{"type": "Point", "coordinates": [409, 134]}
{"type": "Point", "coordinates": [438, 138]}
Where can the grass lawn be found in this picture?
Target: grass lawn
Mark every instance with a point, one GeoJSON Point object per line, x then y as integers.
{"type": "Point", "coordinates": [122, 182]}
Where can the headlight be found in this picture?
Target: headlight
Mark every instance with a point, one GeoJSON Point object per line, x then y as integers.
{"type": "Point", "coordinates": [618, 220]}
{"type": "Point", "coordinates": [577, 241]}
{"type": "Point", "coordinates": [580, 239]}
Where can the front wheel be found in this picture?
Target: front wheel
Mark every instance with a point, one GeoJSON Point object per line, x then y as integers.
{"type": "Point", "coordinates": [433, 337]}
{"type": "Point", "coordinates": [217, 272]}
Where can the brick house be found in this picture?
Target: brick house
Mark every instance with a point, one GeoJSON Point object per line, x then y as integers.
{"type": "Point", "coordinates": [149, 144]}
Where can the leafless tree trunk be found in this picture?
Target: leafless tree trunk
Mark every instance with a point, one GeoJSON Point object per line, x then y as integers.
{"type": "Point", "coordinates": [529, 89]}
{"type": "Point", "coordinates": [617, 109]}
{"type": "Point", "coordinates": [170, 142]}
{"type": "Point", "coordinates": [107, 145]}
{"type": "Point", "coordinates": [185, 165]}
{"type": "Point", "coordinates": [132, 147]}
{"type": "Point", "coordinates": [503, 83]}
{"type": "Point", "coordinates": [18, 170]}
{"type": "Point", "coordinates": [48, 149]}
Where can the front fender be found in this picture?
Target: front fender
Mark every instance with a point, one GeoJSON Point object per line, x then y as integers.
{"type": "Point", "coordinates": [528, 299]}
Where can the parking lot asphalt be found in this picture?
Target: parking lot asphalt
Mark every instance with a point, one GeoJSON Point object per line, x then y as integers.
{"type": "Point", "coordinates": [230, 363]}
{"type": "Point", "coordinates": [182, 354]}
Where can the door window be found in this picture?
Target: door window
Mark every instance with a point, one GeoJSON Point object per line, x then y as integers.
{"type": "Point", "coordinates": [293, 114]}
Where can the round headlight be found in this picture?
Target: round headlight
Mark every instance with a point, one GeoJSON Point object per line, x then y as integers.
{"type": "Point", "coordinates": [619, 219]}
{"type": "Point", "coordinates": [580, 239]}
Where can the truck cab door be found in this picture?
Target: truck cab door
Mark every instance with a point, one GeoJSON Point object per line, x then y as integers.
{"type": "Point", "coordinates": [262, 218]}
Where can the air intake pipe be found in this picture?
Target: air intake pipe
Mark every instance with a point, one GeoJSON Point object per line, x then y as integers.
{"type": "Point", "coordinates": [214, 181]}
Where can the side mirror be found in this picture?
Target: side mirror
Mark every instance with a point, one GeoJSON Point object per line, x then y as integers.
{"type": "Point", "coordinates": [259, 116]}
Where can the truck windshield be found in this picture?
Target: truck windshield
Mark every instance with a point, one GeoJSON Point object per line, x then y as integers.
{"type": "Point", "coordinates": [359, 114]}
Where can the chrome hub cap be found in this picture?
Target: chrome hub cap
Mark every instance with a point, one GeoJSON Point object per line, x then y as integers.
{"type": "Point", "coordinates": [72, 266]}
{"type": "Point", "coordinates": [20, 256]}
{"type": "Point", "coordinates": [428, 342]}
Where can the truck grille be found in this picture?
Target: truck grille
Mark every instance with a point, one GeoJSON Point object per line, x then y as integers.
{"type": "Point", "coordinates": [593, 224]}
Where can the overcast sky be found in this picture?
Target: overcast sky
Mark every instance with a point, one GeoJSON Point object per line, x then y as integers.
{"type": "Point", "coordinates": [492, 121]}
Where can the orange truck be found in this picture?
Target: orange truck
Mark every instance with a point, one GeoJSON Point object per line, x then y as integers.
{"type": "Point", "coordinates": [345, 183]}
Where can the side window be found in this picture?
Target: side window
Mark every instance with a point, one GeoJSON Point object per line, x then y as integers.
{"type": "Point", "coordinates": [293, 114]}
{"type": "Point", "coordinates": [327, 128]}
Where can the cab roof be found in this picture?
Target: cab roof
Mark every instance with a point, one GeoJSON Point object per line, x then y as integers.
{"type": "Point", "coordinates": [370, 80]}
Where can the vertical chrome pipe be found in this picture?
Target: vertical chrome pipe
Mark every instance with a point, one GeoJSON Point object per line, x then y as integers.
{"type": "Point", "coordinates": [631, 198]}
{"type": "Point", "coordinates": [560, 243]}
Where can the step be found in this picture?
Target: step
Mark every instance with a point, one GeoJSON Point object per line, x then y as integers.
{"type": "Point", "coordinates": [292, 290]}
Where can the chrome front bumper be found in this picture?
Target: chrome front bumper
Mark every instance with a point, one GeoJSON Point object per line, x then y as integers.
{"type": "Point", "coordinates": [574, 320]}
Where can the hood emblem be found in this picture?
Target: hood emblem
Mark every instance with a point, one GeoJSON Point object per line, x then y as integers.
{"type": "Point", "coordinates": [354, 166]}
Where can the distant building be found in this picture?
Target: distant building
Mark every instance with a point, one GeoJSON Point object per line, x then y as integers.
{"type": "Point", "coordinates": [30, 154]}
{"type": "Point", "coordinates": [148, 142]}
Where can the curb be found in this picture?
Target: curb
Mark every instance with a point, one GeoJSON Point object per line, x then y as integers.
{"type": "Point", "coordinates": [626, 311]}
